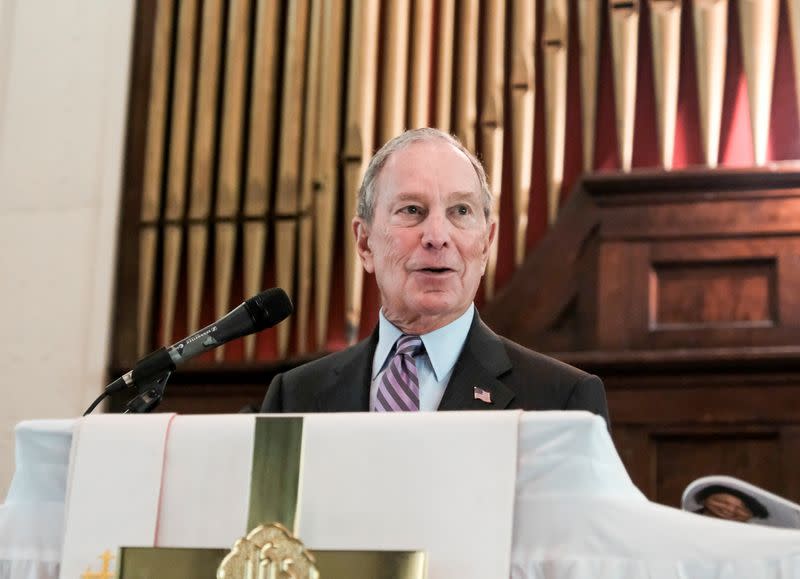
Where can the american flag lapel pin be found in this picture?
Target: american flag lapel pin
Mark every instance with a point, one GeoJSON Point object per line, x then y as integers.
{"type": "Point", "coordinates": [482, 395]}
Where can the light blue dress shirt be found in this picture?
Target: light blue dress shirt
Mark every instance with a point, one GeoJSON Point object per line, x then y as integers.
{"type": "Point", "coordinates": [434, 367]}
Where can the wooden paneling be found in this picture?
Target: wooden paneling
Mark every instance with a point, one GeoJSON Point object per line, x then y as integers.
{"type": "Point", "coordinates": [663, 461]}
{"type": "Point", "coordinates": [681, 458]}
{"type": "Point", "coordinates": [702, 294]}
{"type": "Point", "coordinates": [681, 292]}
{"type": "Point", "coordinates": [635, 448]}
{"type": "Point", "coordinates": [624, 292]}
{"type": "Point", "coordinates": [689, 402]}
{"type": "Point", "coordinates": [790, 447]}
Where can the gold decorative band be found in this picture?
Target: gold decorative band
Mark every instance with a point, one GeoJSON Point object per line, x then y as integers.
{"type": "Point", "coordinates": [174, 563]}
{"type": "Point", "coordinates": [276, 471]}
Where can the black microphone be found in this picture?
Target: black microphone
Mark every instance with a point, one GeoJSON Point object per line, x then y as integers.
{"type": "Point", "coordinates": [258, 313]}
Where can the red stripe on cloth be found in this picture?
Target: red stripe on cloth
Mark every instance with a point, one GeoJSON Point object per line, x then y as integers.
{"type": "Point", "coordinates": [161, 484]}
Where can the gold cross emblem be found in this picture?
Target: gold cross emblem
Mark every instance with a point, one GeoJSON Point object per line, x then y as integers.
{"type": "Point", "coordinates": [105, 572]}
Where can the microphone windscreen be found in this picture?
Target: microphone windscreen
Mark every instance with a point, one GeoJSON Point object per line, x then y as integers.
{"type": "Point", "coordinates": [269, 308]}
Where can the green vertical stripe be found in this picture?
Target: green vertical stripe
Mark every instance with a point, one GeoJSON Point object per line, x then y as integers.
{"type": "Point", "coordinates": [276, 471]}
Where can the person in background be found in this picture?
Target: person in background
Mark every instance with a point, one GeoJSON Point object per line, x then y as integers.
{"type": "Point", "coordinates": [727, 503]}
{"type": "Point", "coordinates": [727, 497]}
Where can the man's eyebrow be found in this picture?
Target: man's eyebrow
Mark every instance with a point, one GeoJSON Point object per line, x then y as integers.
{"type": "Point", "coordinates": [407, 196]}
{"type": "Point", "coordinates": [413, 195]}
{"type": "Point", "coordinates": [469, 197]}
{"type": "Point", "coordinates": [461, 195]}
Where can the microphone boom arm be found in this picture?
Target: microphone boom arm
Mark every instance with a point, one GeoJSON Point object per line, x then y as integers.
{"type": "Point", "coordinates": [150, 396]}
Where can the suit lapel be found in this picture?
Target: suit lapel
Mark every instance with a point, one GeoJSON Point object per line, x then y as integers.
{"type": "Point", "coordinates": [482, 361]}
{"type": "Point", "coordinates": [349, 391]}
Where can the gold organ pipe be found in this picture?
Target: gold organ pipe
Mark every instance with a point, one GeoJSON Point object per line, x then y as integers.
{"type": "Point", "coordinates": [394, 69]}
{"type": "Point", "coordinates": [358, 142]}
{"type": "Point", "coordinates": [794, 27]}
{"type": "Point", "coordinates": [420, 69]}
{"type": "Point", "coordinates": [555, 41]}
{"type": "Point", "coordinates": [175, 205]}
{"type": "Point", "coordinates": [445, 64]}
{"type": "Point", "coordinates": [624, 18]}
{"type": "Point", "coordinates": [665, 23]}
{"type": "Point", "coordinates": [758, 25]}
{"type": "Point", "coordinates": [589, 48]}
{"type": "Point", "coordinates": [326, 161]}
{"type": "Point", "coordinates": [229, 181]}
{"type": "Point", "coordinates": [491, 119]}
{"type": "Point", "coordinates": [263, 101]}
{"type": "Point", "coordinates": [203, 158]}
{"type": "Point", "coordinates": [287, 196]}
{"type": "Point", "coordinates": [523, 93]}
{"type": "Point", "coordinates": [710, 32]}
{"type": "Point", "coordinates": [153, 170]}
{"type": "Point", "coordinates": [467, 73]}
{"type": "Point", "coordinates": [308, 173]}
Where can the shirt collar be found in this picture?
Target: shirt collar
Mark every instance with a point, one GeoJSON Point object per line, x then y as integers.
{"type": "Point", "coordinates": [443, 346]}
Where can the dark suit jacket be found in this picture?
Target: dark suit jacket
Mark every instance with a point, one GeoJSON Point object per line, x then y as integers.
{"type": "Point", "coordinates": [515, 376]}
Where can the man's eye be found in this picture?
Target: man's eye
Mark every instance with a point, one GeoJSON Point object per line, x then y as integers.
{"type": "Point", "coordinates": [411, 210]}
{"type": "Point", "coordinates": [462, 210]}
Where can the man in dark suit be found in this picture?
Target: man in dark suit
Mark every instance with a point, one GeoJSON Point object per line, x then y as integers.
{"type": "Point", "coordinates": [424, 228]}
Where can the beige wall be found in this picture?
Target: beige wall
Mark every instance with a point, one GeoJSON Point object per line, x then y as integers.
{"type": "Point", "coordinates": [64, 67]}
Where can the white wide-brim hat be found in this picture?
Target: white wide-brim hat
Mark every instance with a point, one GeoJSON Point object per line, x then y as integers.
{"type": "Point", "coordinates": [780, 512]}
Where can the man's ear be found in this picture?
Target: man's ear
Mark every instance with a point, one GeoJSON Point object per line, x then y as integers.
{"type": "Point", "coordinates": [487, 244]}
{"type": "Point", "coordinates": [361, 233]}
{"type": "Point", "coordinates": [489, 240]}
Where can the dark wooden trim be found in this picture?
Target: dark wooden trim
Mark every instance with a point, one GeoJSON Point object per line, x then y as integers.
{"type": "Point", "coordinates": [123, 341]}
{"type": "Point", "coordinates": [778, 179]}
{"type": "Point", "coordinates": [751, 359]}
{"type": "Point", "coordinates": [202, 386]}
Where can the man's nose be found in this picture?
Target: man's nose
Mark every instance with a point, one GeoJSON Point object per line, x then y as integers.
{"type": "Point", "coordinates": [436, 231]}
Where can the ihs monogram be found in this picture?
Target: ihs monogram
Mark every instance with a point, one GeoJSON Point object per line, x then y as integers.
{"type": "Point", "coordinates": [105, 572]}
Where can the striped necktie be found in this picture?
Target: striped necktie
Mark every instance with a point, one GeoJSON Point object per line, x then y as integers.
{"type": "Point", "coordinates": [398, 389]}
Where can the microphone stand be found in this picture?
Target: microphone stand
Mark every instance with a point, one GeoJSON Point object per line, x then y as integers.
{"type": "Point", "coordinates": [150, 395]}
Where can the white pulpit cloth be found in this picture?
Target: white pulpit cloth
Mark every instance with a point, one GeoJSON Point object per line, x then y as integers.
{"type": "Point", "coordinates": [576, 513]}
{"type": "Point", "coordinates": [32, 517]}
{"type": "Point", "coordinates": [404, 481]}
{"type": "Point", "coordinates": [114, 489]}
{"type": "Point", "coordinates": [206, 490]}
{"type": "Point", "coordinates": [383, 482]}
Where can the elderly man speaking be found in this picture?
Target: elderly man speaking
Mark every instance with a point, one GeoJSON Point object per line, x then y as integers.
{"type": "Point", "coordinates": [424, 229]}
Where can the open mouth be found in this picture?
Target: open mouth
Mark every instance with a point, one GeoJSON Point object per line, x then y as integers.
{"type": "Point", "coordinates": [436, 270]}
